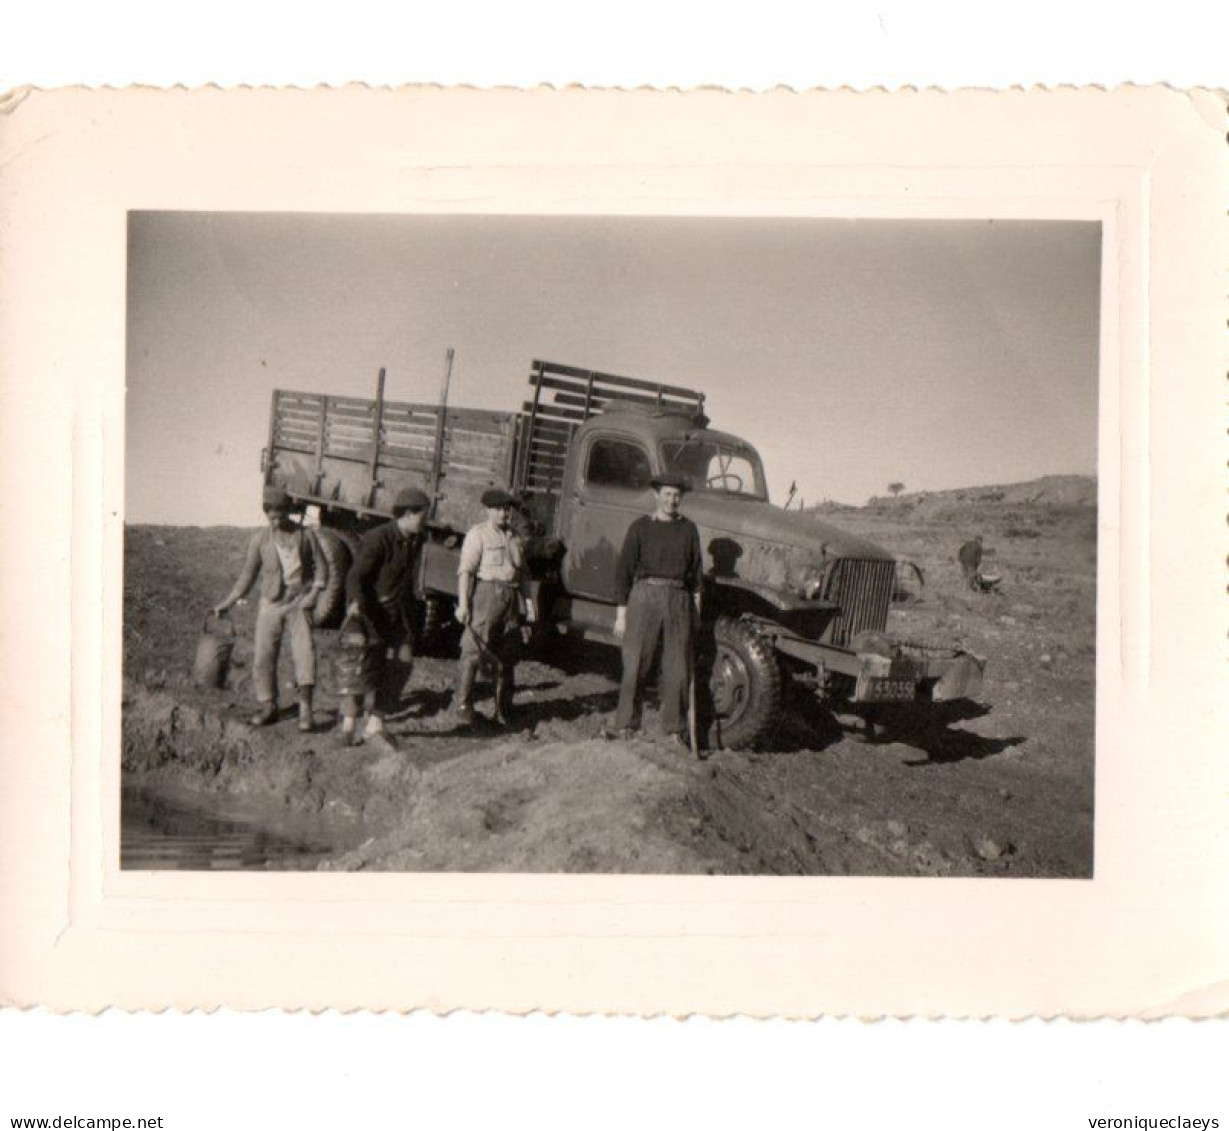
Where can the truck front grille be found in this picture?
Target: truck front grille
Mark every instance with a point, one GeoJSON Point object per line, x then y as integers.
{"type": "Point", "coordinates": [862, 588]}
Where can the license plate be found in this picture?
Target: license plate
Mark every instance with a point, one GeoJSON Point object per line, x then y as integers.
{"type": "Point", "coordinates": [887, 690]}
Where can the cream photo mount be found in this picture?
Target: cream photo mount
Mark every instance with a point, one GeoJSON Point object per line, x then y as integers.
{"type": "Point", "coordinates": [1145, 937]}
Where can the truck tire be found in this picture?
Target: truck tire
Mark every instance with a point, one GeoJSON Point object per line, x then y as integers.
{"type": "Point", "coordinates": [338, 550]}
{"type": "Point", "coordinates": [747, 685]}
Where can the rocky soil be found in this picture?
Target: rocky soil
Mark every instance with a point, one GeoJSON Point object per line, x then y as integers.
{"type": "Point", "coordinates": [1004, 788]}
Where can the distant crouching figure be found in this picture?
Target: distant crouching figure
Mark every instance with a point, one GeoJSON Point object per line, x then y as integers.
{"type": "Point", "coordinates": [970, 557]}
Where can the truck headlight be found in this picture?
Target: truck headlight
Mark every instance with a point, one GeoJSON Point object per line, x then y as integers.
{"type": "Point", "coordinates": [811, 584]}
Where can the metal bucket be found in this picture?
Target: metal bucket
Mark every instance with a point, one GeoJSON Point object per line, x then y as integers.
{"type": "Point", "coordinates": [213, 651]}
{"type": "Point", "coordinates": [359, 659]}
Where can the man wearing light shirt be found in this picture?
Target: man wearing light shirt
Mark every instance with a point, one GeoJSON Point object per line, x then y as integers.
{"type": "Point", "coordinates": [492, 597]}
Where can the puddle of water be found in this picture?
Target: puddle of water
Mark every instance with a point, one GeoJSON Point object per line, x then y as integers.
{"type": "Point", "coordinates": [161, 835]}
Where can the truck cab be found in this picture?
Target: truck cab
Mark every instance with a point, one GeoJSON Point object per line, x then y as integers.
{"type": "Point", "coordinates": [613, 461]}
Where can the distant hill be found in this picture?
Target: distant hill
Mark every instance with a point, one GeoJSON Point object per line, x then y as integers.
{"type": "Point", "coordinates": [1057, 492]}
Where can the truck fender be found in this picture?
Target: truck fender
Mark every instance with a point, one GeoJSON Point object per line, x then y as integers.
{"type": "Point", "coordinates": [783, 600]}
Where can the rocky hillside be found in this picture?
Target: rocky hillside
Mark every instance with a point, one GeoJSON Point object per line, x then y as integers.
{"type": "Point", "coordinates": [1067, 494]}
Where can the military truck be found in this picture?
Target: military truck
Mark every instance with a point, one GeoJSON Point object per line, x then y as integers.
{"type": "Point", "coordinates": [787, 597]}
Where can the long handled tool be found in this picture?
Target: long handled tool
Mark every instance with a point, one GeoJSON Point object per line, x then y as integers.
{"type": "Point", "coordinates": [692, 739]}
{"type": "Point", "coordinates": [441, 423]}
{"type": "Point", "coordinates": [483, 646]}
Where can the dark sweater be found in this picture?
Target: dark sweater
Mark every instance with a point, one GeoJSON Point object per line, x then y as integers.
{"type": "Point", "coordinates": [383, 569]}
{"type": "Point", "coordinates": [659, 549]}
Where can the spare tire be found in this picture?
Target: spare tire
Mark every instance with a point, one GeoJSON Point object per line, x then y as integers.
{"type": "Point", "coordinates": [339, 550]}
{"type": "Point", "coordinates": [747, 684]}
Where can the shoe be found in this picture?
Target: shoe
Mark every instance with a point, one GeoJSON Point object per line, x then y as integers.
{"type": "Point", "coordinates": [350, 734]}
{"type": "Point", "coordinates": [627, 734]}
{"type": "Point", "coordinates": [375, 733]}
{"type": "Point", "coordinates": [465, 714]}
{"type": "Point", "coordinates": [266, 716]}
{"type": "Point", "coordinates": [381, 740]}
{"type": "Point", "coordinates": [306, 723]}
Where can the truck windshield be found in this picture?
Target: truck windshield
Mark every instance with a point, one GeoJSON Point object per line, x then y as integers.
{"type": "Point", "coordinates": [716, 465]}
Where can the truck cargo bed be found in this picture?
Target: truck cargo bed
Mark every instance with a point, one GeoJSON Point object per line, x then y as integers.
{"type": "Point", "coordinates": [323, 450]}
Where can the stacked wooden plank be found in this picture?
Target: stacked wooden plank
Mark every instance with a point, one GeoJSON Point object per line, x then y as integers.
{"type": "Point", "coordinates": [564, 398]}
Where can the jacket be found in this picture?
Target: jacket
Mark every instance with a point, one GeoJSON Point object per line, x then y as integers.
{"type": "Point", "coordinates": [262, 561]}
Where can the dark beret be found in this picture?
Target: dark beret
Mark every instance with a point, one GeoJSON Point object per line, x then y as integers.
{"type": "Point", "coordinates": [411, 499]}
{"type": "Point", "coordinates": [274, 497]}
{"type": "Point", "coordinates": [670, 479]}
{"type": "Point", "coordinates": [497, 497]}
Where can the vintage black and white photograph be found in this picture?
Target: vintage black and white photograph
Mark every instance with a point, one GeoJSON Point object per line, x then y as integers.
{"type": "Point", "coordinates": [610, 544]}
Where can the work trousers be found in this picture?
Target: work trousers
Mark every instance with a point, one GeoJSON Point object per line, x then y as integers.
{"type": "Point", "coordinates": [491, 636]}
{"type": "Point", "coordinates": [274, 619]}
{"type": "Point", "coordinates": [392, 622]}
{"type": "Point", "coordinates": [657, 613]}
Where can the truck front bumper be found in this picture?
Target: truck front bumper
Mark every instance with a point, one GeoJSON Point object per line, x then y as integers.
{"type": "Point", "coordinates": [901, 672]}
{"type": "Point", "coordinates": [943, 675]}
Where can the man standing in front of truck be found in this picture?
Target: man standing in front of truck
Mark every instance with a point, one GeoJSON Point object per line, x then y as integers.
{"type": "Point", "coordinates": [492, 603]}
{"type": "Point", "coordinates": [293, 571]}
{"type": "Point", "coordinates": [658, 589]}
{"type": "Point", "coordinates": [380, 587]}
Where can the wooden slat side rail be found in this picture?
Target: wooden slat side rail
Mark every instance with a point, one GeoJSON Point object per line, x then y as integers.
{"type": "Point", "coordinates": [572, 393]}
{"type": "Point", "coordinates": [547, 367]}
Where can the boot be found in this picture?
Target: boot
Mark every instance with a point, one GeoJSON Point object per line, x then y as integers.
{"type": "Point", "coordinates": [505, 689]}
{"type": "Point", "coordinates": [467, 672]}
{"type": "Point", "coordinates": [266, 716]}
{"type": "Point", "coordinates": [350, 735]}
{"type": "Point", "coordinates": [307, 721]}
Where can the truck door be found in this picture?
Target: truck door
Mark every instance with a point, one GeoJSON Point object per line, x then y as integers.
{"type": "Point", "coordinates": [611, 490]}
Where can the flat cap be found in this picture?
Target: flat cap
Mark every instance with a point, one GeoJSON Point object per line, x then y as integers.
{"type": "Point", "coordinates": [274, 497]}
{"type": "Point", "coordinates": [670, 479]}
{"type": "Point", "coordinates": [497, 497]}
{"type": "Point", "coordinates": [411, 499]}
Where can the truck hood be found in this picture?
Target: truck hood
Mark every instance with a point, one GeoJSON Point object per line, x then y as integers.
{"type": "Point", "coordinates": [761, 543]}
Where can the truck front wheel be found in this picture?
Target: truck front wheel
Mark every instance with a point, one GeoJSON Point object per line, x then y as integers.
{"type": "Point", "coordinates": [747, 684]}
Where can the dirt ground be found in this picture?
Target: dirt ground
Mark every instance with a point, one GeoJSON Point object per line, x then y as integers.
{"type": "Point", "coordinates": [1003, 788]}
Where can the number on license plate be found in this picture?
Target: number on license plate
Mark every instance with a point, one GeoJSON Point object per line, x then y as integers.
{"type": "Point", "coordinates": [891, 689]}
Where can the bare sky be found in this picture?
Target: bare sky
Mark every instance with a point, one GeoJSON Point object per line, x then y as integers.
{"type": "Point", "coordinates": [851, 353]}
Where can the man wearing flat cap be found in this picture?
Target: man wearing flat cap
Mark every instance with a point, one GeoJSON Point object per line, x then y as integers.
{"type": "Point", "coordinates": [292, 570]}
{"type": "Point", "coordinates": [380, 587]}
{"type": "Point", "coordinates": [493, 601]}
{"type": "Point", "coordinates": [658, 590]}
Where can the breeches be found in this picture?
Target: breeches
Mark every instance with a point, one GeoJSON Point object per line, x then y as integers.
{"type": "Point", "coordinates": [275, 619]}
{"type": "Point", "coordinates": [491, 635]}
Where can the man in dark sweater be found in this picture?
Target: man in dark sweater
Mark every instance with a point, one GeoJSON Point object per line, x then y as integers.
{"type": "Point", "coordinates": [658, 588]}
{"type": "Point", "coordinates": [380, 587]}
